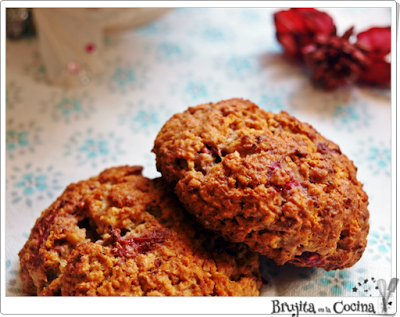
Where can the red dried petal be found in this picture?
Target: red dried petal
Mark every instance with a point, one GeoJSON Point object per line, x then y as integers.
{"type": "Point", "coordinates": [378, 73]}
{"type": "Point", "coordinates": [289, 44]}
{"type": "Point", "coordinates": [317, 22]}
{"type": "Point", "coordinates": [348, 33]}
{"type": "Point", "coordinates": [289, 21]}
{"type": "Point", "coordinates": [376, 40]}
{"type": "Point", "coordinates": [296, 28]}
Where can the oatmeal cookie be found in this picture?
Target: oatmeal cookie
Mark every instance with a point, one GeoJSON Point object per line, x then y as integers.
{"type": "Point", "coordinates": [268, 180]}
{"type": "Point", "coordinates": [122, 234]}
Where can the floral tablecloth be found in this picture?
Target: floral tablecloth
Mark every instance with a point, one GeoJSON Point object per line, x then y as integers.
{"type": "Point", "coordinates": [56, 136]}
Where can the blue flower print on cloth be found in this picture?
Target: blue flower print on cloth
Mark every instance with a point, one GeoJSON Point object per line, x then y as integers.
{"type": "Point", "coordinates": [22, 138]}
{"type": "Point", "coordinates": [146, 118]}
{"type": "Point", "coordinates": [337, 282]}
{"type": "Point", "coordinates": [251, 16]}
{"type": "Point", "coordinates": [149, 29]}
{"type": "Point", "coordinates": [142, 117]}
{"type": "Point", "coordinates": [14, 139]}
{"type": "Point", "coordinates": [272, 97]}
{"type": "Point", "coordinates": [13, 95]}
{"type": "Point", "coordinates": [68, 107]}
{"type": "Point", "coordinates": [236, 67]}
{"type": "Point", "coordinates": [35, 68]}
{"type": "Point", "coordinates": [27, 184]}
{"type": "Point", "coordinates": [343, 110]}
{"type": "Point", "coordinates": [93, 148]}
{"type": "Point", "coordinates": [169, 49]}
{"type": "Point", "coordinates": [375, 155]}
{"type": "Point", "coordinates": [240, 65]}
{"type": "Point", "coordinates": [171, 52]}
{"type": "Point", "coordinates": [380, 156]}
{"type": "Point", "coordinates": [263, 42]}
{"type": "Point", "coordinates": [211, 33]}
{"type": "Point", "coordinates": [155, 28]}
{"type": "Point", "coordinates": [271, 102]}
{"type": "Point", "coordinates": [275, 100]}
{"type": "Point", "coordinates": [215, 34]}
{"type": "Point", "coordinates": [379, 245]}
{"type": "Point", "coordinates": [351, 117]}
{"type": "Point", "coordinates": [90, 148]}
{"type": "Point", "coordinates": [14, 284]}
{"type": "Point", "coordinates": [195, 90]}
{"type": "Point", "coordinates": [125, 76]}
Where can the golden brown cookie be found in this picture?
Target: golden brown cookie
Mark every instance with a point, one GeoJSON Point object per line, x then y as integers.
{"type": "Point", "coordinates": [268, 180]}
{"type": "Point", "coordinates": [122, 234]}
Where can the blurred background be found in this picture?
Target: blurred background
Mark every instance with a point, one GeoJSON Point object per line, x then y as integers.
{"type": "Point", "coordinates": [88, 89]}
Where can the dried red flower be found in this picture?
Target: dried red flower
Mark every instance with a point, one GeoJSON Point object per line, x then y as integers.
{"type": "Point", "coordinates": [377, 74]}
{"type": "Point", "coordinates": [376, 45]}
{"type": "Point", "coordinates": [297, 28]}
{"type": "Point", "coordinates": [376, 40]}
{"type": "Point", "coordinates": [334, 60]}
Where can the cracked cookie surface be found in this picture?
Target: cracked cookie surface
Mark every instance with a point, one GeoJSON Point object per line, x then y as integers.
{"type": "Point", "coordinates": [268, 180]}
{"type": "Point", "coordinates": [121, 234]}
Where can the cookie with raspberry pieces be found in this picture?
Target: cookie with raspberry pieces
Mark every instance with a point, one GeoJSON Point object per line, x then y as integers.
{"type": "Point", "coordinates": [121, 234]}
{"type": "Point", "coordinates": [268, 180]}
